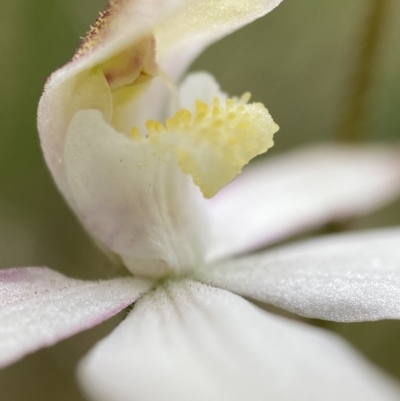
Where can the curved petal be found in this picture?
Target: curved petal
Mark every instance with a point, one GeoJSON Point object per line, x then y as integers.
{"type": "Point", "coordinates": [39, 307]}
{"type": "Point", "coordinates": [188, 341]}
{"type": "Point", "coordinates": [345, 278]}
{"type": "Point", "coordinates": [300, 191]}
{"type": "Point", "coordinates": [193, 27]}
{"type": "Point", "coordinates": [181, 28]}
{"type": "Point", "coordinates": [137, 203]}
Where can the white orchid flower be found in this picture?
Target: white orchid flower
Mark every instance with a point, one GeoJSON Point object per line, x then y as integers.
{"type": "Point", "coordinates": [147, 169]}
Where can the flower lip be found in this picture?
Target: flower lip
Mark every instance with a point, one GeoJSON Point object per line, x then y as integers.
{"type": "Point", "coordinates": [146, 221]}
{"type": "Point", "coordinates": [182, 29]}
{"type": "Point", "coordinates": [214, 143]}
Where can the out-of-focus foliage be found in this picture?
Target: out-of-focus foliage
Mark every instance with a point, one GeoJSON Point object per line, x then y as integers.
{"type": "Point", "coordinates": [36, 226]}
{"type": "Point", "coordinates": [301, 61]}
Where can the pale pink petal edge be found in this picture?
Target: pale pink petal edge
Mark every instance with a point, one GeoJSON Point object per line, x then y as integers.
{"type": "Point", "coordinates": [292, 193]}
{"type": "Point", "coordinates": [40, 307]}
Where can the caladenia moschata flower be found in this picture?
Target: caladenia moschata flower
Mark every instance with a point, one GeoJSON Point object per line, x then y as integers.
{"type": "Point", "coordinates": [148, 169]}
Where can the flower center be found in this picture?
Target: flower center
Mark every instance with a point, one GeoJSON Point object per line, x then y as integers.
{"type": "Point", "coordinates": [216, 142]}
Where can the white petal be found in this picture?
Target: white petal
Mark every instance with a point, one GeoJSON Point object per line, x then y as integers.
{"type": "Point", "coordinates": [346, 278]}
{"type": "Point", "coordinates": [300, 191]}
{"type": "Point", "coordinates": [187, 32]}
{"type": "Point", "coordinates": [187, 341]}
{"type": "Point", "coordinates": [140, 206]}
{"type": "Point", "coordinates": [39, 307]}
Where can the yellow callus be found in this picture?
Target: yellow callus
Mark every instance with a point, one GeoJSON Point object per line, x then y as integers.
{"type": "Point", "coordinates": [216, 142]}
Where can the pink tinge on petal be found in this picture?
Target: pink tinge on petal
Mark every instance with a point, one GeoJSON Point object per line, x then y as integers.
{"type": "Point", "coordinates": [39, 307]}
{"type": "Point", "coordinates": [301, 191]}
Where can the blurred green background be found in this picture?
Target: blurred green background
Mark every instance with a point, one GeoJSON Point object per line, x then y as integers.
{"type": "Point", "coordinates": [303, 61]}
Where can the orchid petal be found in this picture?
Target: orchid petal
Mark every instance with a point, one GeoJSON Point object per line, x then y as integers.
{"type": "Point", "coordinates": [181, 38]}
{"type": "Point", "coordinates": [137, 203]}
{"type": "Point", "coordinates": [188, 341]}
{"type": "Point", "coordinates": [300, 191]}
{"type": "Point", "coordinates": [39, 307]}
{"type": "Point", "coordinates": [347, 278]}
